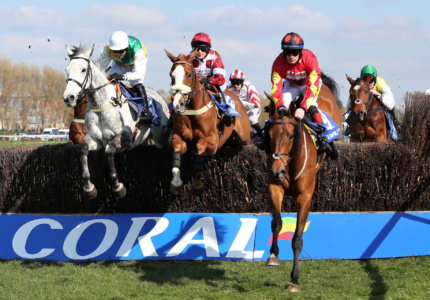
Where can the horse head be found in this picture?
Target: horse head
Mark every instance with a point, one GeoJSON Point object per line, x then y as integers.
{"type": "Point", "coordinates": [184, 80]}
{"type": "Point", "coordinates": [359, 95]}
{"type": "Point", "coordinates": [78, 75]}
{"type": "Point", "coordinates": [284, 137]}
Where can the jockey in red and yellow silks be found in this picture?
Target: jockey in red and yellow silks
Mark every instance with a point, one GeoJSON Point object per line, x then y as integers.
{"type": "Point", "coordinates": [305, 72]}
{"type": "Point", "coordinates": [295, 72]}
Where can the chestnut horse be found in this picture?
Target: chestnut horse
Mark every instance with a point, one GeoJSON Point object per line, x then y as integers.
{"type": "Point", "coordinates": [292, 165]}
{"type": "Point", "coordinates": [77, 126]}
{"type": "Point", "coordinates": [196, 126]}
{"type": "Point", "coordinates": [367, 118]}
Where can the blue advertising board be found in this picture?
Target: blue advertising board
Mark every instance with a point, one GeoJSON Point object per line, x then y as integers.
{"type": "Point", "coordinates": [204, 236]}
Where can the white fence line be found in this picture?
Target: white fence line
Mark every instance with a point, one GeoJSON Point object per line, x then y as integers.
{"type": "Point", "coordinates": [41, 137]}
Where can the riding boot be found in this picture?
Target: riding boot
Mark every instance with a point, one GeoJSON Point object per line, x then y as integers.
{"type": "Point", "coordinates": [334, 154]}
{"type": "Point", "coordinates": [227, 118]}
{"type": "Point", "coordinates": [324, 145]}
{"type": "Point", "coordinates": [347, 128]}
{"type": "Point", "coordinates": [396, 122]}
{"type": "Point", "coordinates": [145, 116]}
{"type": "Point", "coordinates": [263, 138]}
{"type": "Point", "coordinates": [257, 129]}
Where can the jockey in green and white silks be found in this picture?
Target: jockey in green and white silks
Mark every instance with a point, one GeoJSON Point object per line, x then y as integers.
{"type": "Point", "coordinates": [378, 87]}
{"type": "Point", "coordinates": [127, 57]}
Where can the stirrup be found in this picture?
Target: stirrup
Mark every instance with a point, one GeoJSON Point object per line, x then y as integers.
{"type": "Point", "coordinates": [325, 147]}
{"type": "Point", "coordinates": [145, 117]}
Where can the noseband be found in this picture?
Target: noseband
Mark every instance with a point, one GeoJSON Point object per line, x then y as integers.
{"type": "Point", "coordinates": [294, 148]}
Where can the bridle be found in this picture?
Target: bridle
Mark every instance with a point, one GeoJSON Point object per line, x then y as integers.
{"type": "Point", "coordinates": [294, 148]}
{"type": "Point", "coordinates": [188, 96]}
{"type": "Point", "coordinates": [369, 101]}
{"type": "Point", "coordinates": [88, 78]}
{"type": "Point", "coordinates": [358, 101]}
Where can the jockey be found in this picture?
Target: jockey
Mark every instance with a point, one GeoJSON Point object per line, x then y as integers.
{"type": "Point", "coordinates": [210, 68]}
{"type": "Point", "coordinates": [295, 72]}
{"type": "Point", "coordinates": [128, 57]}
{"type": "Point", "coordinates": [381, 90]}
{"type": "Point", "coordinates": [247, 93]}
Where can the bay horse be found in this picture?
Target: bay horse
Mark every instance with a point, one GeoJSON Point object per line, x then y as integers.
{"type": "Point", "coordinates": [196, 126]}
{"type": "Point", "coordinates": [109, 119]}
{"type": "Point", "coordinates": [77, 126]}
{"type": "Point", "coordinates": [292, 165]}
{"type": "Point", "coordinates": [367, 119]}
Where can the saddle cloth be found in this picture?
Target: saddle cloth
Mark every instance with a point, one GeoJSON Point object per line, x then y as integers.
{"type": "Point", "coordinates": [137, 104]}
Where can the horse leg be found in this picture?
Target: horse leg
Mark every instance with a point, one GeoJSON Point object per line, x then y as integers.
{"type": "Point", "coordinates": [176, 185]}
{"type": "Point", "coordinates": [304, 203]}
{"type": "Point", "coordinates": [111, 148]}
{"type": "Point", "coordinates": [90, 191]}
{"type": "Point", "coordinates": [198, 187]}
{"type": "Point", "coordinates": [276, 193]}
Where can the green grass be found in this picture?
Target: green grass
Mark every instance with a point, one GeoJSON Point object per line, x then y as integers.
{"type": "Point", "coordinates": [29, 143]}
{"type": "Point", "coordinates": [403, 278]}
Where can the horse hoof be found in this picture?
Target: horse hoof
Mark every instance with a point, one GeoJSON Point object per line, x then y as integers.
{"type": "Point", "coordinates": [177, 190]}
{"type": "Point", "coordinates": [293, 287]}
{"type": "Point", "coordinates": [273, 260]}
{"type": "Point", "coordinates": [197, 192]}
{"type": "Point", "coordinates": [89, 195]}
{"type": "Point", "coordinates": [120, 192]}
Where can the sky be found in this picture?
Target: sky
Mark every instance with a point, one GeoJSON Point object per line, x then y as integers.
{"type": "Point", "coordinates": [392, 35]}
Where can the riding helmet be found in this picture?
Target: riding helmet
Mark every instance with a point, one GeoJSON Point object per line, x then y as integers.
{"type": "Point", "coordinates": [367, 70]}
{"type": "Point", "coordinates": [201, 39]}
{"type": "Point", "coordinates": [237, 75]}
{"type": "Point", "coordinates": [118, 41]}
{"type": "Point", "coordinates": [292, 40]}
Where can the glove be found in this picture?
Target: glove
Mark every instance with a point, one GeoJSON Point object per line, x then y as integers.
{"type": "Point", "coordinates": [116, 76]}
{"type": "Point", "coordinates": [205, 81]}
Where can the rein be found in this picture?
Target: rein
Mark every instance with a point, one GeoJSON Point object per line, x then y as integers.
{"type": "Point", "coordinates": [294, 148]}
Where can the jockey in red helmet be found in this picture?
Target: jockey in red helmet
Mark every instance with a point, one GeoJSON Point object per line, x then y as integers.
{"type": "Point", "coordinates": [295, 72]}
{"type": "Point", "coordinates": [209, 67]}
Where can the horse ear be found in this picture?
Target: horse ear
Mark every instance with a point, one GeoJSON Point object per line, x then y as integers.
{"type": "Point", "coordinates": [92, 50]}
{"type": "Point", "coordinates": [368, 78]}
{"type": "Point", "coordinates": [292, 108]}
{"type": "Point", "coordinates": [69, 52]}
{"type": "Point", "coordinates": [270, 97]}
{"type": "Point", "coordinates": [351, 81]}
{"type": "Point", "coordinates": [171, 56]}
{"type": "Point", "coordinates": [272, 105]}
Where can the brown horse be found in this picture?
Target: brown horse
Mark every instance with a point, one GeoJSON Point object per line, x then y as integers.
{"type": "Point", "coordinates": [196, 126]}
{"type": "Point", "coordinates": [77, 126]}
{"type": "Point", "coordinates": [292, 165]}
{"type": "Point", "coordinates": [367, 119]}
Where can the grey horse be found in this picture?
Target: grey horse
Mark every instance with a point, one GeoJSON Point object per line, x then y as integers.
{"type": "Point", "coordinates": [109, 125]}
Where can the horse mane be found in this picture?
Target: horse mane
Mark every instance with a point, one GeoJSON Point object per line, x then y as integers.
{"type": "Point", "coordinates": [81, 49]}
{"type": "Point", "coordinates": [78, 50]}
{"type": "Point", "coordinates": [332, 85]}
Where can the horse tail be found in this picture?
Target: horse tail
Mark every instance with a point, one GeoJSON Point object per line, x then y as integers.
{"type": "Point", "coordinates": [332, 85]}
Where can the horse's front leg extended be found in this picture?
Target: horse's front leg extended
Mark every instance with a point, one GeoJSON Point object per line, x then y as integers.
{"type": "Point", "coordinates": [304, 202]}
{"type": "Point", "coordinates": [276, 193]}
{"type": "Point", "coordinates": [90, 190]}
{"type": "Point", "coordinates": [179, 148]}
